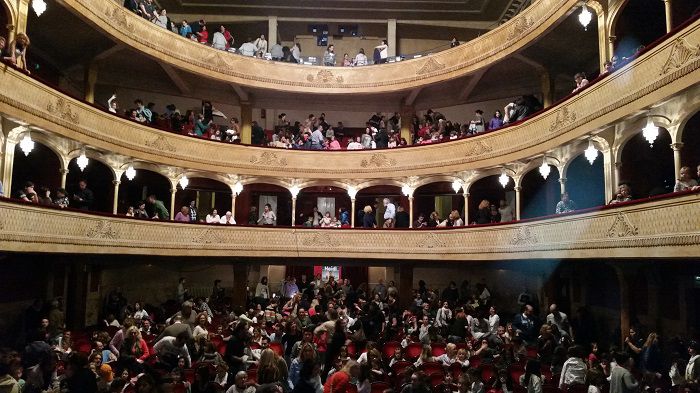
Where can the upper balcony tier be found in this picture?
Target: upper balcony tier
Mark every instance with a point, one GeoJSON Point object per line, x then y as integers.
{"type": "Point", "coordinates": [664, 70]}
{"type": "Point", "coordinates": [132, 31]}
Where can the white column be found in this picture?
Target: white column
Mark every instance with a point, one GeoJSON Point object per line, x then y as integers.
{"type": "Point", "coordinates": [64, 176]}
{"type": "Point", "coordinates": [391, 36]}
{"type": "Point", "coordinates": [669, 15]}
{"type": "Point", "coordinates": [233, 207]}
{"type": "Point", "coordinates": [294, 210]}
{"type": "Point", "coordinates": [562, 183]}
{"type": "Point", "coordinates": [173, 191]}
{"type": "Point", "coordinates": [466, 205]}
{"type": "Point", "coordinates": [271, 31]}
{"type": "Point", "coordinates": [352, 213]}
{"type": "Point", "coordinates": [517, 202]}
{"type": "Point", "coordinates": [609, 175]}
{"type": "Point", "coordinates": [410, 211]}
{"type": "Point", "coordinates": [115, 201]}
{"type": "Point", "coordinates": [677, 147]}
{"type": "Point", "coordinates": [8, 160]}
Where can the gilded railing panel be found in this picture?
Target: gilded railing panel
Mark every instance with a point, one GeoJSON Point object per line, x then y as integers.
{"type": "Point", "coordinates": [165, 46]}
{"type": "Point", "coordinates": [660, 228]}
{"type": "Point", "coordinates": [665, 70]}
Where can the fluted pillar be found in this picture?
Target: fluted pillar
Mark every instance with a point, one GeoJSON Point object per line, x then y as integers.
{"type": "Point", "coordinates": [353, 213]}
{"type": "Point", "coordinates": [410, 211]}
{"type": "Point", "coordinates": [233, 207]}
{"type": "Point", "coordinates": [669, 15]}
{"type": "Point", "coordinates": [294, 211]}
{"type": "Point", "coordinates": [115, 201]}
{"type": "Point", "coordinates": [517, 202]}
{"type": "Point", "coordinates": [173, 191]}
{"type": "Point", "coordinates": [466, 206]}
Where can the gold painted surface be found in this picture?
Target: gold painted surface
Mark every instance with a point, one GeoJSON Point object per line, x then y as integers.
{"type": "Point", "coordinates": [659, 74]}
{"type": "Point", "coordinates": [165, 46]}
{"type": "Point", "coordinates": [662, 228]}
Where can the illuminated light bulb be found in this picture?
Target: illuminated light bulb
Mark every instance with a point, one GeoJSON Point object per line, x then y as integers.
{"type": "Point", "coordinates": [82, 161]}
{"type": "Point", "coordinates": [352, 192]}
{"type": "Point", "coordinates": [585, 17]}
{"type": "Point", "coordinates": [650, 132]}
{"type": "Point", "coordinates": [26, 144]}
{"type": "Point", "coordinates": [184, 182]}
{"type": "Point", "coordinates": [456, 185]}
{"type": "Point", "coordinates": [238, 188]}
{"type": "Point", "coordinates": [39, 6]}
{"type": "Point", "coordinates": [544, 169]}
{"type": "Point", "coordinates": [130, 173]}
{"type": "Point", "coordinates": [294, 190]}
{"type": "Point", "coordinates": [591, 152]}
{"type": "Point", "coordinates": [504, 179]}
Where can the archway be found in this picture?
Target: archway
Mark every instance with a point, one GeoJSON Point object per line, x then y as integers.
{"type": "Point", "coordinates": [437, 197]}
{"type": "Point", "coordinates": [639, 23]}
{"type": "Point", "coordinates": [208, 194]}
{"type": "Point", "coordinates": [539, 196]}
{"type": "Point", "coordinates": [690, 155]}
{"type": "Point", "coordinates": [585, 183]}
{"type": "Point", "coordinates": [5, 18]}
{"type": "Point", "coordinates": [145, 183]}
{"type": "Point", "coordinates": [326, 198]}
{"type": "Point", "coordinates": [373, 196]}
{"type": "Point", "coordinates": [488, 188]}
{"type": "Point", "coordinates": [257, 195]}
{"type": "Point", "coordinates": [42, 167]}
{"type": "Point", "coordinates": [648, 169]}
{"type": "Point", "coordinates": [99, 178]}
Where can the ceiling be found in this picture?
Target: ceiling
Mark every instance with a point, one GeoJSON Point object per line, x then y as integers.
{"type": "Point", "coordinates": [317, 10]}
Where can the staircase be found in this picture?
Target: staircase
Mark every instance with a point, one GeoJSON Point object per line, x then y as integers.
{"type": "Point", "coordinates": [514, 9]}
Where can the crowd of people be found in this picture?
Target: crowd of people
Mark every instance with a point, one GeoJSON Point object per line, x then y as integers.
{"type": "Point", "coordinates": [325, 335]}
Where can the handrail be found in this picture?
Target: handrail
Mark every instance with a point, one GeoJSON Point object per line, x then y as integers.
{"type": "Point", "coordinates": [599, 105]}
{"type": "Point", "coordinates": [653, 227]}
{"type": "Point", "coordinates": [495, 45]}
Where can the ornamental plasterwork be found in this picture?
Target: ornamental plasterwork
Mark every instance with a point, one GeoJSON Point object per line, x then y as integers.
{"type": "Point", "coordinates": [378, 160]}
{"type": "Point", "coordinates": [102, 230]}
{"type": "Point", "coordinates": [317, 239]}
{"type": "Point", "coordinates": [268, 159]}
{"type": "Point", "coordinates": [62, 109]}
{"type": "Point", "coordinates": [681, 53]}
{"type": "Point", "coordinates": [622, 227]}
{"type": "Point", "coordinates": [432, 241]}
{"type": "Point", "coordinates": [162, 144]}
{"type": "Point", "coordinates": [324, 76]}
{"type": "Point", "coordinates": [120, 18]}
{"type": "Point", "coordinates": [478, 148]}
{"type": "Point", "coordinates": [524, 236]}
{"type": "Point", "coordinates": [431, 65]}
{"type": "Point", "coordinates": [521, 24]}
{"type": "Point", "coordinates": [210, 236]}
{"type": "Point", "coordinates": [563, 118]}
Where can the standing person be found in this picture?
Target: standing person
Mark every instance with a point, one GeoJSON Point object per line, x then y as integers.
{"type": "Point", "coordinates": [296, 53]}
{"type": "Point", "coordinates": [329, 56]}
{"type": "Point", "coordinates": [621, 379]}
{"type": "Point", "coordinates": [261, 44]}
{"type": "Point", "coordinates": [685, 181]}
{"type": "Point", "coordinates": [159, 210]}
{"type": "Point", "coordinates": [18, 52]}
{"type": "Point", "coordinates": [368, 220]}
{"type": "Point", "coordinates": [267, 217]}
{"type": "Point", "coordinates": [506, 211]}
{"type": "Point", "coordinates": [262, 292]}
{"type": "Point", "coordinates": [381, 52]}
{"type": "Point", "coordinates": [692, 370]}
{"type": "Point", "coordinates": [532, 380]}
{"type": "Point", "coordinates": [360, 58]}
{"type": "Point", "coordinates": [566, 205]}
{"type": "Point", "coordinates": [389, 214]}
{"type": "Point", "coordinates": [193, 211]}
{"type": "Point", "coordinates": [339, 382]}
{"type": "Point", "coordinates": [84, 197]}
{"type": "Point", "coordinates": [496, 121]}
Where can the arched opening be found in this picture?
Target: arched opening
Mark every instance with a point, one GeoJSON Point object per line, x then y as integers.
{"type": "Point", "coordinates": [4, 20]}
{"type": "Point", "coordinates": [648, 169]}
{"type": "Point", "coordinates": [326, 199]}
{"type": "Point", "coordinates": [690, 154]}
{"type": "Point", "coordinates": [585, 183]}
{"type": "Point", "coordinates": [98, 177]}
{"type": "Point", "coordinates": [256, 196]}
{"type": "Point", "coordinates": [539, 196]}
{"type": "Point", "coordinates": [373, 196]}
{"type": "Point", "coordinates": [42, 167]}
{"type": "Point", "coordinates": [437, 197]}
{"type": "Point", "coordinates": [488, 188]}
{"type": "Point", "coordinates": [638, 24]}
{"type": "Point", "coordinates": [146, 183]}
{"type": "Point", "coordinates": [208, 194]}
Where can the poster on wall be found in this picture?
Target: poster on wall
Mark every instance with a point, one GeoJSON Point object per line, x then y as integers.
{"type": "Point", "coordinates": [327, 271]}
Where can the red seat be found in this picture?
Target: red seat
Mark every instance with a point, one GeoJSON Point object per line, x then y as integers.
{"type": "Point", "coordinates": [436, 378]}
{"type": "Point", "coordinates": [455, 370]}
{"type": "Point", "coordinates": [516, 370]}
{"type": "Point", "coordinates": [84, 347]}
{"type": "Point", "coordinates": [389, 348]}
{"type": "Point", "coordinates": [379, 387]}
{"type": "Point", "coordinates": [352, 350]}
{"type": "Point", "coordinates": [179, 388]}
{"type": "Point", "coordinates": [437, 349]}
{"type": "Point", "coordinates": [189, 375]}
{"type": "Point", "coordinates": [532, 352]}
{"type": "Point", "coordinates": [400, 367]}
{"type": "Point", "coordinates": [221, 348]}
{"type": "Point", "coordinates": [352, 388]}
{"type": "Point", "coordinates": [487, 373]}
{"type": "Point", "coordinates": [253, 375]}
{"type": "Point", "coordinates": [432, 367]}
{"type": "Point", "coordinates": [277, 347]}
{"type": "Point", "coordinates": [413, 351]}
{"type": "Point", "coordinates": [474, 361]}
{"type": "Point", "coordinates": [254, 346]}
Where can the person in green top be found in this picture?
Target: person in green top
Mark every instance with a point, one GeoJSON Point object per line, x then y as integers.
{"type": "Point", "coordinates": [159, 210]}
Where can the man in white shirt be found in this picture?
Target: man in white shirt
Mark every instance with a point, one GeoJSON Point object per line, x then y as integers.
{"type": "Point", "coordinates": [560, 320]}
{"type": "Point", "coordinates": [355, 144]}
{"type": "Point", "coordinates": [170, 349]}
{"type": "Point", "coordinates": [240, 384]}
{"type": "Point", "coordinates": [389, 214]}
{"type": "Point", "coordinates": [692, 370]}
{"type": "Point", "coordinates": [228, 219]}
{"type": "Point", "coordinates": [248, 49]}
{"type": "Point", "coordinates": [219, 40]}
{"type": "Point", "coordinates": [261, 44]}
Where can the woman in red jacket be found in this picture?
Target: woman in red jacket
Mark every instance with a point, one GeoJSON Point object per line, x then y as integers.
{"type": "Point", "coordinates": [134, 350]}
{"type": "Point", "coordinates": [339, 382]}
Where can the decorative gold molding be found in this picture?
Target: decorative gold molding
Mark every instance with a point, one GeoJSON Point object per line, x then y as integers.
{"type": "Point", "coordinates": [32, 228]}
{"type": "Point", "coordinates": [622, 227]}
{"type": "Point", "coordinates": [324, 76]}
{"type": "Point", "coordinates": [119, 16]}
{"type": "Point", "coordinates": [430, 66]}
{"type": "Point", "coordinates": [477, 148]}
{"type": "Point", "coordinates": [268, 159]}
{"type": "Point", "coordinates": [681, 53]}
{"type": "Point", "coordinates": [521, 24]}
{"type": "Point", "coordinates": [378, 160]}
{"type": "Point", "coordinates": [62, 109]}
{"type": "Point", "coordinates": [563, 118]}
{"type": "Point", "coordinates": [162, 144]}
